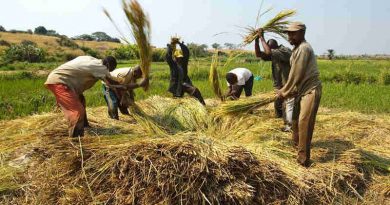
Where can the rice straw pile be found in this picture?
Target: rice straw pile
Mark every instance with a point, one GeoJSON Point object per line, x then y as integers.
{"type": "Point", "coordinates": [238, 159]}
{"type": "Point", "coordinates": [276, 25]}
{"type": "Point", "coordinates": [140, 27]}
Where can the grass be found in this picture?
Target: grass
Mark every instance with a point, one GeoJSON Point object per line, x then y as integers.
{"type": "Point", "coordinates": [22, 93]}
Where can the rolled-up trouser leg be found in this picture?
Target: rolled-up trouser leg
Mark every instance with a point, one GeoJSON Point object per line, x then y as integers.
{"type": "Point", "coordinates": [112, 102]}
{"type": "Point", "coordinates": [71, 106]}
{"type": "Point", "coordinates": [83, 102]}
{"type": "Point", "coordinates": [308, 110]}
{"type": "Point", "coordinates": [193, 91]}
{"type": "Point", "coordinates": [289, 107]}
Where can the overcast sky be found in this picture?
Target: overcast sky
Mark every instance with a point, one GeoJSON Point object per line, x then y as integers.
{"type": "Point", "coordinates": [347, 26]}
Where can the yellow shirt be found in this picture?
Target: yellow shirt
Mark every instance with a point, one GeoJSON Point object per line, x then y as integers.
{"type": "Point", "coordinates": [304, 74]}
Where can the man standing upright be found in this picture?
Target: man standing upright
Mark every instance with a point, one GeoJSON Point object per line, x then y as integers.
{"type": "Point", "coordinates": [280, 58]}
{"type": "Point", "coordinates": [303, 83]}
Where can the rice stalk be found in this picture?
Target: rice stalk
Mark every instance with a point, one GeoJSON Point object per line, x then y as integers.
{"type": "Point", "coordinates": [244, 105]}
{"type": "Point", "coordinates": [275, 25]}
{"type": "Point", "coordinates": [214, 78]}
{"type": "Point", "coordinates": [141, 31]}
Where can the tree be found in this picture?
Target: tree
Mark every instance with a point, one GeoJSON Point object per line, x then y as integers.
{"type": "Point", "coordinates": [101, 36]}
{"type": "Point", "coordinates": [29, 31]}
{"type": "Point", "coordinates": [331, 54]}
{"type": "Point", "coordinates": [197, 50]}
{"type": "Point", "coordinates": [216, 46]}
{"type": "Point", "coordinates": [40, 30]}
{"type": "Point", "coordinates": [52, 33]}
{"type": "Point", "coordinates": [2, 29]}
{"type": "Point", "coordinates": [85, 37]}
{"type": "Point", "coordinates": [230, 46]}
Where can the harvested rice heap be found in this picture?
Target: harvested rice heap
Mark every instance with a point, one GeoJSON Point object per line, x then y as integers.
{"type": "Point", "coordinates": [197, 158]}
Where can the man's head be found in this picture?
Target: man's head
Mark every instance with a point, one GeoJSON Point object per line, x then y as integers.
{"type": "Point", "coordinates": [296, 33]}
{"type": "Point", "coordinates": [110, 63]}
{"type": "Point", "coordinates": [137, 72]}
{"type": "Point", "coordinates": [272, 43]}
{"type": "Point", "coordinates": [231, 78]}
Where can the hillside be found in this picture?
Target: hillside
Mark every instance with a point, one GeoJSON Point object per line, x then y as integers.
{"type": "Point", "coordinates": [52, 46]}
{"type": "Point", "coordinates": [181, 153]}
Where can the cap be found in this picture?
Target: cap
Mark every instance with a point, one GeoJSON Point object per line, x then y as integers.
{"type": "Point", "coordinates": [296, 26]}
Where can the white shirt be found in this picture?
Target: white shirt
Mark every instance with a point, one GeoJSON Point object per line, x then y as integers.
{"type": "Point", "coordinates": [243, 75]}
{"type": "Point", "coordinates": [120, 73]}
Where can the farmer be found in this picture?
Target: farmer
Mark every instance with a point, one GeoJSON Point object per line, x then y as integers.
{"type": "Point", "coordinates": [239, 79]}
{"type": "Point", "coordinates": [303, 83]}
{"type": "Point", "coordinates": [180, 83]}
{"type": "Point", "coordinates": [280, 58]}
{"type": "Point", "coordinates": [70, 80]}
{"type": "Point", "coordinates": [122, 96]}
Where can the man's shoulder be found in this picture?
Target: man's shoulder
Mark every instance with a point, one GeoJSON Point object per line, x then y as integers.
{"type": "Point", "coordinates": [305, 46]}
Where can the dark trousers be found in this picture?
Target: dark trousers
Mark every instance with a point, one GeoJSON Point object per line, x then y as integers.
{"type": "Point", "coordinates": [247, 88]}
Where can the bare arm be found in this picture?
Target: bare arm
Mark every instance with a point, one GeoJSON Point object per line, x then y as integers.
{"type": "Point", "coordinates": [266, 55]}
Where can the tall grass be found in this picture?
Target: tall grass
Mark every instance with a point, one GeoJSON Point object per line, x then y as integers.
{"type": "Point", "coordinates": [23, 93]}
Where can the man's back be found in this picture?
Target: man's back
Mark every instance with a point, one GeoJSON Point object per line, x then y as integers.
{"type": "Point", "coordinates": [79, 74]}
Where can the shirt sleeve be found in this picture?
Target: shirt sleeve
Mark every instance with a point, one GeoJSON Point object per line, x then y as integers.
{"type": "Point", "coordinates": [298, 66]}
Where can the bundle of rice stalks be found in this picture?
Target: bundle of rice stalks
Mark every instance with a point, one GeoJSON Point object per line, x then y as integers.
{"type": "Point", "coordinates": [244, 105]}
{"type": "Point", "coordinates": [213, 73]}
{"type": "Point", "coordinates": [178, 115]}
{"type": "Point", "coordinates": [140, 26]}
{"type": "Point", "coordinates": [276, 25]}
{"type": "Point", "coordinates": [214, 78]}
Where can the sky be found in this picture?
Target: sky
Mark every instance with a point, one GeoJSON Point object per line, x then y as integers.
{"type": "Point", "coordinates": [349, 27]}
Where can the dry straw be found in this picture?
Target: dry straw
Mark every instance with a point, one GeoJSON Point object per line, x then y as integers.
{"type": "Point", "coordinates": [276, 25]}
{"type": "Point", "coordinates": [244, 105]}
{"type": "Point", "coordinates": [234, 160]}
{"type": "Point", "coordinates": [214, 77]}
{"type": "Point", "coordinates": [140, 27]}
{"type": "Point", "coordinates": [213, 73]}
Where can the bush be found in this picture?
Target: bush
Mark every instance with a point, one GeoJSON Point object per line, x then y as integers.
{"type": "Point", "coordinates": [158, 55]}
{"type": "Point", "coordinates": [67, 42]}
{"type": "Point", "coordinates": [90, 52]}
{"type": "Point", "coordinates": [126, 52]}
{"type": "Point", "coordinates": [4, 43]}
{"type": "Point", "coordinates": [24, 52]}
{"type": "Point", "coordinates": [384, 77]}
{"type": "Point", "coordinates": [40, 30]}
{"type": "Point", "coordinates": [28, 43]}
{"type": "Point", "coordinates": [197, 50]}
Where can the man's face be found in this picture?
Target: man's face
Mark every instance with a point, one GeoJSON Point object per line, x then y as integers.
{"type": "Point", "coordinates": [138, 73]}
{"type": "Point", "coordinates": [296, 37]}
